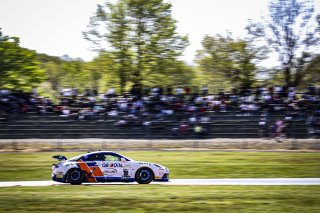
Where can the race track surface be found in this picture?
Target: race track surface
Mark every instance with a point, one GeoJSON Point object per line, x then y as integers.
{"type": "Point", "coordinates": [188, 182]}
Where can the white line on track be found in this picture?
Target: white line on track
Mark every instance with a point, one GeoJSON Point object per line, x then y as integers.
{"type": "Point", "coordinates": [189, 182]}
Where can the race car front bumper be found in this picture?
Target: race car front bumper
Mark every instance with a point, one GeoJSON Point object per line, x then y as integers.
{"type": "Point", "coordinates": [165, 178]}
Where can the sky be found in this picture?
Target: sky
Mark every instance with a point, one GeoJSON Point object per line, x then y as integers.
{"type": "Point", "coordinates": [55, 27]}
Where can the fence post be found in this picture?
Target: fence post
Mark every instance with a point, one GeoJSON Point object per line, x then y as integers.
{"type": "Point", "coordinates": [244, 144]}
{"type": "Point", "coordinates": [317, 145]}
{"type": "Point", "coordinates": [104, 145]}
{"type": "Point", "coordinates": [294, 144]}
{"type": "Point", "coordinates": [150, 145]}
{"type": "Point", "coordinates": [14, 144]}
{"type": "Point", "coordinates": [195, 144]}
{"type": "Point", "coordinates": [59, 145]}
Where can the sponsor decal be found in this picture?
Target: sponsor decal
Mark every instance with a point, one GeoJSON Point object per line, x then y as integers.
{"type": "Point", "coordinates": [125, 173]}
{"type": "Point", "coordinates": [109, 172]}
{"type": "Point", "coordinates": [143, 163]}
{"type": "Point", "coordinates": [112, 165]}
{"type": "Point", "coordinates": [85, 167]}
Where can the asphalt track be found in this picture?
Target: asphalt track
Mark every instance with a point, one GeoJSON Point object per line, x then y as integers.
{"type": "Point", "coordinates": [190, 182]}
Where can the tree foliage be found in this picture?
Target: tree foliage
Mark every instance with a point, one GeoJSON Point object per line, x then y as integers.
{"type": "Point", "coordinates": [104, 72]}
{"type": "Point", "coordinates": [53, 68]}
{"type": "Point", "coordinates": [19, 68]}
{"type": "Point", "coordinates": [312, 71]}
{"type": "Point", "coordinates": [142, 35]}
{"type": "Point", "coordinates": [66, 72]}
{"type": "Point", "coordinates": [289, 31]}
{"type": "Point", "coordinates": [230, 58]}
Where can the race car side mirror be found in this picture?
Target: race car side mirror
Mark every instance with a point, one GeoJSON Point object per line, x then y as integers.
{"type": "Point", "coordinates": [123, 160]}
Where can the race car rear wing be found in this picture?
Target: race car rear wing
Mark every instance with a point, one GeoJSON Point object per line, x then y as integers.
{"type": "Point", "coordinates": [59, 157]}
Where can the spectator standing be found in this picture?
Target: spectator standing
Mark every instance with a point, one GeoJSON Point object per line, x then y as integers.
{"type": "Point", "coordinates": [262, 127]}
{"type": "Point", "coordinates": [279, 127]}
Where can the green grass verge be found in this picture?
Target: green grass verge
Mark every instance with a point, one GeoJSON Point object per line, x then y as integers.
{"type": "Point", "coordinates": [182, 164]}
{"type": "Point", "coordinates": [156, 198]}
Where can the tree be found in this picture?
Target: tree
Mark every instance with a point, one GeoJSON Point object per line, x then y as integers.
{"type": "Point", "coordinates": [104, 72]}
{"type": "Point", "coordinates": [19, 68]}
{"type": "Point", "coordinates": [177, 74]}
{"type": "Point", "coordinates": [113, 28]}
{"type": "Point", "coordinates": [142, 35]}
{"type": "Point", "coordinates": [290, 33]}
{"type": "Point", "coordinates": [119, 29]}
{"type": "Point", "coordinates": [232, 59]}
{"type": "Point", "coordinates": [52, 66]}
{"type": "Point", "coordinates": [312, 71]}
{"type": "Point", "coordinates": [156, 41]}
{"type": "Point", "coordinates": [74, 75]}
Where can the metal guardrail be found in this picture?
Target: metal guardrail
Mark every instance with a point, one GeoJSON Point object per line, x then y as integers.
{"type": "Point", "coordinates": [33, 145]}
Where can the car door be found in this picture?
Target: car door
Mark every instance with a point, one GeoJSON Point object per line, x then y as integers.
{"type": "Point", "coordinates": [91, 163]}
{"type": "Point", "coordinates": [114, 167]}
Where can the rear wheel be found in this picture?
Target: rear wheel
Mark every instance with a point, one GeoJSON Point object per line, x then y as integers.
{"type": "Point", "coordinates": [144, 175]}
{"type": "Point", "coordinates": [75, 176]}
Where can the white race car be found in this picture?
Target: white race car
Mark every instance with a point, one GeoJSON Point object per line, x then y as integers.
{"type": "Point", "coordinates": [106, 166]}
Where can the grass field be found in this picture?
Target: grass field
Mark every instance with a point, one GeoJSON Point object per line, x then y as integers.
{"type": "Point", "coordinates": [182, 164]}
{"type": "Point", "coordinates": [162, 198]}
{"type": "Point", "coordinates": [157, 198]}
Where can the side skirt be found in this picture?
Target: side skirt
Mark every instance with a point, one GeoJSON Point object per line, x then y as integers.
{"type": "Point", "coordinates": [114, 179]}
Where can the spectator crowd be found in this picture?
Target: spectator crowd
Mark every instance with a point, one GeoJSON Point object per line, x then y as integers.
{"type": "Point", "coordinates": [154, 107]}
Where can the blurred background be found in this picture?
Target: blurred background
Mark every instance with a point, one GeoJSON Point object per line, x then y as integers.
{"type": "Point", "coordinates": [139, 86]}
{"type": "Point", "coordinates": [209, 89]}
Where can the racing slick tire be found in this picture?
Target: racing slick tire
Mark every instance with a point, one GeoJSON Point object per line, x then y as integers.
{"type": "Point", "coordinates": [144, 176]}
{"type": "Point", "coordinates": [75, 176]}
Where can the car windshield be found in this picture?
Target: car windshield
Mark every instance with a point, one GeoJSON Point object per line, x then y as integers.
{"type": "Point", "coordinates": [128, 159]}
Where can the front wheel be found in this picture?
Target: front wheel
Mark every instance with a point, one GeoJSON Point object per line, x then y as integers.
{"type": "Point", "coordinates": [75, 176]}
{"type": "Point", "coordinates": [144, 176]}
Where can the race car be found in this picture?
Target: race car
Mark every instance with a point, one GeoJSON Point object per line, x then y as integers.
{"type": "Point", "coordinates": [106, 166]}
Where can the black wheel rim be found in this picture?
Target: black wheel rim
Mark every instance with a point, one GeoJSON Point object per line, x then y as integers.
{"type": "Point", "coordinates": [75, 175]}
{"type": "Point", "coordinates": [145, 175]}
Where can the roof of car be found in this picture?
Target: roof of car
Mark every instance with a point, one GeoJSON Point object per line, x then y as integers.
{"type": "Point", "coordinates": [97, 152]}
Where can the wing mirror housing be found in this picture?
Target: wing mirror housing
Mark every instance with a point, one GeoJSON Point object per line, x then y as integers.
{"type": "Point", "coordinates": [123, 160]}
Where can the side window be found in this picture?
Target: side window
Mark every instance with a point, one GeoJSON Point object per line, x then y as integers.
{"type": "Point", "coordinates": [112, 157]}
{"type": "Point", "coordinates": [96, 157]}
